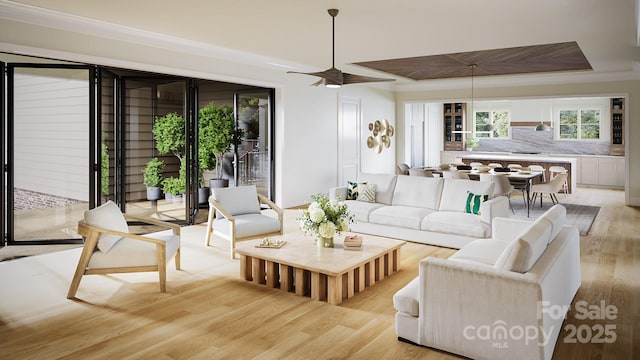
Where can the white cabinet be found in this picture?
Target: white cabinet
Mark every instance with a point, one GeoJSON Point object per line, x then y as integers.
{"type": "Point", "coordinates": [588, 171]}
{"type": "Point", "coordinates": [601, 171]}
{"type": "Point", "coordinates": [611, 171]}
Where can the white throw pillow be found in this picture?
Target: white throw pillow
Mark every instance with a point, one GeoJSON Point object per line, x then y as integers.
{"type": "Point", "coordinates": [238, 200]}
{"type": "Point", "coordinates": [525, 250]}
{"type": "Point", "coordinates": [107, 216]}
{"type": "Point", "coordinates": [367, 193]}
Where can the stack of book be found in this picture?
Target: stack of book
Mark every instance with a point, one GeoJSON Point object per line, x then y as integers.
{"type": "Point", "coordinates": [353, 242]}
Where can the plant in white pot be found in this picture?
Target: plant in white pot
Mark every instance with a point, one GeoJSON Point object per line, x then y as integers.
{"type": "Point", "coordinates": [152, 177]}
{"type": "Point", "coordinates": [217, 133]}
{"type": "Point", "coordinates": [169, 134]}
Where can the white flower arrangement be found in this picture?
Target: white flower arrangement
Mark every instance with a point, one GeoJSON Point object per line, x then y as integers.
{"type": "Point", "coordinates": [324, 218]}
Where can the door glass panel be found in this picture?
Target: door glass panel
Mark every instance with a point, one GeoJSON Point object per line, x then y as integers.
{"type": "Point", "coordinates": [51, 152]}
{"type": "Point", "coordinates": [155, 103]}
{"type": "Point", "coordinates": [254, 159]}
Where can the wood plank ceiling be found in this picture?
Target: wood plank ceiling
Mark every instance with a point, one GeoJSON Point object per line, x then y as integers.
{"type": "Point", "coordinates": [565, 56]}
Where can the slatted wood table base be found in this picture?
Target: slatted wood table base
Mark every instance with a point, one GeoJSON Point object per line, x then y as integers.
{"type": "Point", "coordinates": [322, 274]}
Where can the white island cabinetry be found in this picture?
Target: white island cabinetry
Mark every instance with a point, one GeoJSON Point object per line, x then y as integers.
{"type": "Point", "coordinates": [601, 171]}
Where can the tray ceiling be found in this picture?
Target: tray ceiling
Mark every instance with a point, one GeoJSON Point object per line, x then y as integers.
{"type": "Point", "coordinates": [565, 56]}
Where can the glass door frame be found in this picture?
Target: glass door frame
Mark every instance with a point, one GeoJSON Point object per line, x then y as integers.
{"type": "Point", "coordinates": [9, 160]}
{"type": "Point", "coordinates": [271, 134]}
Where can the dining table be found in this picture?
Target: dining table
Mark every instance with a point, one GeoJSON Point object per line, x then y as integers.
{"type": "Point", "coordinates": [518, 178]}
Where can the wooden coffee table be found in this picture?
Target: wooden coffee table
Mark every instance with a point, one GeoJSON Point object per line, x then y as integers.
{"type": "Point", "coordinates": [330, 274]}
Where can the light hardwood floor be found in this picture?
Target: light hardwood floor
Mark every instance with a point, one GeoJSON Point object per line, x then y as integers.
{"type": "Point", "coordinates": [208, 312]}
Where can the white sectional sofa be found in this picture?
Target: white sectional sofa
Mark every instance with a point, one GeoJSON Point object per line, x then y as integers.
{"type": "Point", "coordinates": [425, 210]}
{"type": "Point", "coordinates": [499, 298]}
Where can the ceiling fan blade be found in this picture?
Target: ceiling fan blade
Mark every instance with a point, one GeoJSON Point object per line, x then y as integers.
{"type": "Point", "coordinates": [332, 75]}
{"type": "Point", "coordinates": [355, 79]}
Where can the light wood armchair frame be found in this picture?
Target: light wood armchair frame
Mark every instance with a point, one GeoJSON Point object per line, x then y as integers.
{"type": "Point", "coordinates": [216, 206]}
{"type": "Point", "coordinates": [91, 235]}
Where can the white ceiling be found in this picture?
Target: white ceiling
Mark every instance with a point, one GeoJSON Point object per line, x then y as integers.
{"type": "Point", "coordinates": [296, 34]}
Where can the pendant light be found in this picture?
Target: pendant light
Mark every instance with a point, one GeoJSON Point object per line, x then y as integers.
{"type": "Point", "coordinates": [543, 127]}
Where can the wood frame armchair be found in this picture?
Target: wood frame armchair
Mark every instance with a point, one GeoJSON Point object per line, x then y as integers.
{"type": "Point", "coordinates": [91, 234]}
{"type": "Point", "coordinates": [236, 224]}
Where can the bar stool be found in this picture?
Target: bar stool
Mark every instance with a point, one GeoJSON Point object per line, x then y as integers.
{"type": "Point", "coordinates": [539, 168]}
{"type": "Point", "coordinates": [556, 170]}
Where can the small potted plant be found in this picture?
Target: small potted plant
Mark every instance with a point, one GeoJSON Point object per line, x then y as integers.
{"type": "Point", "coordinates": [472, 143]}
{"type": "Point", "coordinates": [152, 177]}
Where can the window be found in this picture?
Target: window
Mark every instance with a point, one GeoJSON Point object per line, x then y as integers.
{"type": "Point", "coordinates": [492, 124]}
{"type": "Point", "coordinates": [579, 124]}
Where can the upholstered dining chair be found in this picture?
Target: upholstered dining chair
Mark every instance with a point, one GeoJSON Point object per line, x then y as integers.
{"type": "Point", "coordinates": [235, 214]}
{"type": "Point", "coordinates": [110, 248]}
{"type": "Point", "coordinates": [402, 169]}
{"type": "Point", "coordinates": [494, 165]}
{"type": "Point", "coordinates": [420, 172]}
{"type": "Point", "coordinates": [557, 169]}
{"type": "Point", "coordinates": [552, 187]}
{"type": "Point", "coordinates": [502, 186]}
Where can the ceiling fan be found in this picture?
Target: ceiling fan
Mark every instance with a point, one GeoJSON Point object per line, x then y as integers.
{"type": "Point", "coordinates": [334, 78]}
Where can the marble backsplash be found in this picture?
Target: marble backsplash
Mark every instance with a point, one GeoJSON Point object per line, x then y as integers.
{"type": "Point", "coordinates": [528, 140]}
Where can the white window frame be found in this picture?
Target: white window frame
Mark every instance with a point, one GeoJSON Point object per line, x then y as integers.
{"type": "Point", "coordinates": [491, 119]}
{"type": "Point", "coordinates": [579, 109]}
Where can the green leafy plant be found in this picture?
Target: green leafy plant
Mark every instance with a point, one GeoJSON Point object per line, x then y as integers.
{"type": "Point", "coordinates": [152, 173]}
{"type": "Point", "coordinates": [175, 186]}
{"type": "Point", "coordinates": [104, 181]}
{"type": "Point", "coordinates": [473, 143]}
{"type": "Point", "coordinates": [168, 132]}
{"type": "Point", "coordinates": [217, 133]}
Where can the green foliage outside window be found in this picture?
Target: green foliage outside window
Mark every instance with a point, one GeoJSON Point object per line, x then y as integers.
{"type": "Point", "coordinates": [580, 124]}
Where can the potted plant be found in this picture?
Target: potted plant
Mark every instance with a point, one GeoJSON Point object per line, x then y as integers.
{"type": "Point", "coordinates": [152, 177]}
{"type": "Point", "coordinates": [472, 143]}
{"type": "Point", "coordinates": [217, 132]}
{"type": "Point", "coordinates": [169, 135]}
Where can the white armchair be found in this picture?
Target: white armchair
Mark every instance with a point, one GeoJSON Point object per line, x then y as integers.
{"type": "Point", "coordinates": [235, 214]}
{"type": "Point", "coordinates": [109, 247]}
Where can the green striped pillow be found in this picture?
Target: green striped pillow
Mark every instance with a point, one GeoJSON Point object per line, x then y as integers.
{"type": "Point", "coordinates": [473, 203]}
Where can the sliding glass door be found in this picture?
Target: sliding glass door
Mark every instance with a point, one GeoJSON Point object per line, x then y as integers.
{"type": "Point", "coordinates": [49, 124]}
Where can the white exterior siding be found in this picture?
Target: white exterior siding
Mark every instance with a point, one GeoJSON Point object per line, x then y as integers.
{"type": "Point", "coordinates": [51, 118]}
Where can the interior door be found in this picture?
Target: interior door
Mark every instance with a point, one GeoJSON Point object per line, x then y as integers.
{"type": "Point", "coordinates": [49, 171]}
{"type": "Point", "coordinates": [348, 139]}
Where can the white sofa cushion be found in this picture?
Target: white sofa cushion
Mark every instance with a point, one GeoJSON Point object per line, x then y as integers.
{"type": "Point", "coordinates": [248, 225]}
{"type": "Point", "coordinates": [400, 216]}
{"type": "Point", "coordinates": [481, 251]}
{"type": "Point", "coordinates": [238, 200]}
{"type": "Point", "coordinates": [458, 223]}
{"type": "Point", "coordinates": [131, 252]}
{"type": "Point", "coordinates": [107, 216]}
{"type": "Point", "coordinates": [418, 191]}
{"type": "Point", "coordinates": [406, 299]}
{"type": "Point", "coordinates": [454, 193]}
{"type": "Point", "coordinates": [361, 210]}
{"type": "Point", "coordinates": [556, 216]}
{"type": "Point", "coordinates": [525, 250]}
{"type": "Point", "coordinates": [385, 183]}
